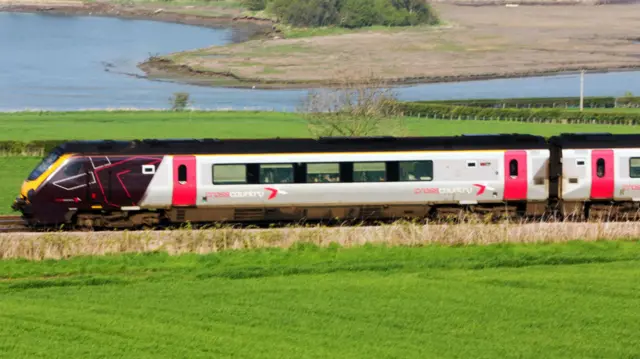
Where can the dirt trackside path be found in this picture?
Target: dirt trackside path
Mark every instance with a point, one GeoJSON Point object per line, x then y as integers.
{"type": "Point", "coordinates": [476, 42]}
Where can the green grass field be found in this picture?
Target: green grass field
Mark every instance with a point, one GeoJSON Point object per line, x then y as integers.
{"type": "Point", "coordinates": [130, 125]}
{"type": "Point", "coordinates": [575, 300]}
{"type": "Point", "coordinates": [13, 171]}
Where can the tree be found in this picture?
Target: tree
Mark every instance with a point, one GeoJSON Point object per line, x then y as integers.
{"type": "Point", "coordinates": [179, 101]}
{"type": "Point", "coordinates": [355, 107]}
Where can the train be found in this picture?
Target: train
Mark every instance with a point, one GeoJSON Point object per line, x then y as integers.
{"type": "Point", "coordinates": [154, 182]}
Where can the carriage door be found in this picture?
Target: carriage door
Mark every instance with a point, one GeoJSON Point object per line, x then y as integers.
{"type": "Point", "coordinates": [515, 175]}
{"type": "Point", "coordinates": [602, 174]}
{"type": "Point", "coordinates": [184, 181]}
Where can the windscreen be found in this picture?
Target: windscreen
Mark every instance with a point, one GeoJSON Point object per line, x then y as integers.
{"type": "Point", "coordinates": [46, 163]}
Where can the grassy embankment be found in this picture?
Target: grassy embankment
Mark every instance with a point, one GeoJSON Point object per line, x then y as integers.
{"type": "Point", "coordinates": [508, 301]}
{"type": "Point", "coordinates": [29, 126]}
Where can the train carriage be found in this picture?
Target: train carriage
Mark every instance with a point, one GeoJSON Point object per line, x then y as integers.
{"type": "Point", "coordinates": [598, 174]}
{"type": "Point", "coordinates": [125, 183]}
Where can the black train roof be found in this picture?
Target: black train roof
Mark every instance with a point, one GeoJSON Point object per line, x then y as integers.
{"type": "Point", "coordinates": [293, 145]}
{"type": "Point", "coordinates": [595, 140]}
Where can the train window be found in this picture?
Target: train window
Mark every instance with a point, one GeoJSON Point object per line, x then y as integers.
{"type": "Point", "coordinates": [600, 167]}
{"type": "Point", "coordinates": [416, 171]}
{"type": "Point", "coordinates": [73, 169]}
{"type": "Point", "coordinates": [634, 167]}
{"type": "Point", "coordinates": [323, 172]}
{"type": "Point", "coordinates": [580, 162]}
{"type": "Point", "coordinates": [229, 174]}
{"type": "Point", "coordinates": [369, 172]}
{"type": "Point", "coordinates": [513, 168]}
{"type": "Point", "coordinates": [182, 174]}
{"type": "Point", "coordinates": [44, 165]}
{"type": "Point", "coordinates": [276, 173]}
{"type": "Point", "coordinates": [471, 164]}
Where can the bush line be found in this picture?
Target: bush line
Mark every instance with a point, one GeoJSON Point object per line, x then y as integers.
{"type": "Point", "coordinates": [544, 115]}
{"type": "Point", "coordinates": [33, 148]}
{"type": "Point", "coordinates": [543, 102]}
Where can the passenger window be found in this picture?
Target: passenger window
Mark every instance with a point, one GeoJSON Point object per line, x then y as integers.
{"type": "Point", "coordinates": [513, 168]}
{"type": "Point", "coordinates": [416, 171]}
{"type": "Point", "coordinates": [323, 172]}
{"type": "Point", "coordinates": [182, 174]}
{"type": "Point", "coordinates": [369, 172]}
{"type": "Point", "coordinates": [229, 174]}
{"type": "Point", "coordinates": [73, 169]}
{"type": "Point", "coordinates": [634, 167]}
{"type": "Point", "coordinates": [600, 167]}
{"type": "Point", "coordinates": [276, 173]}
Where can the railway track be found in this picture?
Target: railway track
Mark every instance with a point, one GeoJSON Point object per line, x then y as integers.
{"type": "Point", "coordinates": [12, 224]}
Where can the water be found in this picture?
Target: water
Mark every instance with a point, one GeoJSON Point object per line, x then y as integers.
{"type": "Point", "coordinates": [55, 62]}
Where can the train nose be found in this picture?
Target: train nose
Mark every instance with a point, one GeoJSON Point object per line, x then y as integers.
{"type": "Point", "coordinates": [23, 189]}
{"type": "Point", "coordinates": [18, 204]}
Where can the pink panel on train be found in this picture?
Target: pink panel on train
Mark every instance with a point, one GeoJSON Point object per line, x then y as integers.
{"type": "Point", "coordinates": [602, 175]}
{"type": "Point", "coordinates": [515, 175]}
{"type": "Point", "coordinates": [184, 181]}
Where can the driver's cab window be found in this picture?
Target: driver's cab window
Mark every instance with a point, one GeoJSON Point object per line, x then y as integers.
{"type": "Point", "coordinates": [73, 169]}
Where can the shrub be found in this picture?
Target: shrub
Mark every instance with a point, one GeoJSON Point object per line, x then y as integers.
{"type": "Point", "coordinates": [628, 100]}
{"type": "Point", "coordinates": [355, 107]}
{"type": "Point", "coordinates": [179, 101]}
{"type": "Point", "coordinates": [359, 13]}
{"type": "Point", "coordinates": [255, 5]}
{"type": "Point", "coordinates": [311, 13]}
{"type": "Point", "coordinates": [352, 13]}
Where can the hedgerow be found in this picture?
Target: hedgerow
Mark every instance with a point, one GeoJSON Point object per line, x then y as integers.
{"type": "Point", "coordinates": [515, 114]}
{"type": "Point", "coordinates": [544, 102]}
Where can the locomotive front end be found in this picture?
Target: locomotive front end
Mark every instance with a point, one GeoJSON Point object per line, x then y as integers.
{"type": "Point", "coordinates": [23, 203]}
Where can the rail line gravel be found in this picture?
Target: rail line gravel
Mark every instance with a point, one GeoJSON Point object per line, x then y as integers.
{"type": "Point", "coordinates": [12, 224]}
{"type": "Point", "coordinates": [57, 245]}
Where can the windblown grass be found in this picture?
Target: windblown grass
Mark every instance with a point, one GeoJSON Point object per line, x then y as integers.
{"type": "Point", "coordinates": [58, 245]}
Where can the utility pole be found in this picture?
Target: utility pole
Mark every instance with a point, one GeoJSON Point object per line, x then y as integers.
{"type": "Point", "coordinates": [581, 90]}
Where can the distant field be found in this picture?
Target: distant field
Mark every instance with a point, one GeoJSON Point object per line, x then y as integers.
{"type": "Point", "coordinates": [132, 125]}
{"type": "Point", "coordinates": [576, 300]}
